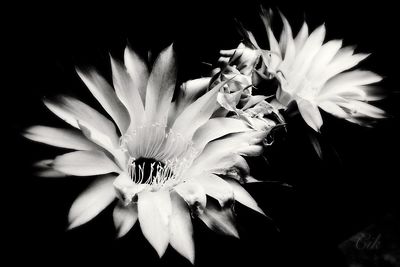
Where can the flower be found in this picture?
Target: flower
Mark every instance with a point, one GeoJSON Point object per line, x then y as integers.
{"type": "Point", "coordinates": [242, 67]}
{"type": "Point", "coordinates": [317, 75]}
{"type": "Point", "coordinates": [161, 161]}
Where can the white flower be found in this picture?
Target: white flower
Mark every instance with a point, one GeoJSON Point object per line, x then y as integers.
{"type": "Point", "coordinates": [160, 162]}
{"type": "Point", "coordinates": [317, 75]}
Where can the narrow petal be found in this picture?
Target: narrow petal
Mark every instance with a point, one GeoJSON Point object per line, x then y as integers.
{"type": "Point", "coordinates": [161, 87]}
{"type": "Point", "coordinates": [181, 228]}
{"type": "Point", "coordinates": [322, 58]}
{"type": "Point", "coordinates": [301, 37]}
{"type": "Point", "coordinates": [216, 128]}
{"type": "Point", "coordinates": [107, 97]}
{"type": "Point", "coordinates": [215, 187]}
{"type": "Point", "coordinates": [310, 114]}
{"type": "Point", "coordinates": [73, 111]}
{"type": "Point", "coordinates": [154, 210]}
{"type": "Point", "coordinates": [224, 152]}
{"type": "Point", "coordinates": [358, 108]}
{"type": "Point", "coordinates": [243, 196]}
{"type": "Point", "coordinates": [127, 91]}
{"type": "Point", "coordinates": [125, 218]}
{"type": "Point", "coordinates": [138, 71]}
{"type": "Point", "coordinates": [287, 45]}
{"type": "Point", "coordinates": [333, 109]}
{"type": "Point", "coordinates": [188, 93]}
{"type": "Point", "coordinates": [92, 201]}
{"type": "Point", "coordinates": [343, 60]}
{"type": "Point", "coordinates": [197, 113]}
{"type": "Point", "coordinates": [306, 55]}
{"type": "Point", "coordinates": [64, 138]}
{"type": "Point", "coordinates": [85, 163]}
{"type": "Point", "coordinates": [220, 219]}
{"type": "Point", "coordinates": [45, 169]}
{"type": "Point", "coordinates": [194, 195]}
{"type": "Point", "coordinates": [350, 79]}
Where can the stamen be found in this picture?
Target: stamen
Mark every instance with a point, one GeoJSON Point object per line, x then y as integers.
{"type": "Point", "coordinates": [157, 158]}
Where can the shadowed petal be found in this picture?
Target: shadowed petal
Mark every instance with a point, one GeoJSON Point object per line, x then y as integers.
{"type": "Point", "coordinates": [46, 169]}
{"type": "Point", "coordinates": [181, 228]}
{"type": "Point", "coordinates": [194, 195]}
{"type": "Point", "coordinates": [220, 220]}
{"type": "Point", "coordinates": [243, 196]}
{"type": "Point", "coordinates": [310, 114]}
{"type": "Point", "coordinates": [125, 218]}
{"type": "Point", "coordinates": [215, 187]}
{"type": "Point", "coordinates": [92, 201]}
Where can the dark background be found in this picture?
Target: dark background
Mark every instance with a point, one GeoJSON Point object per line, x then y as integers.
{"type": "Point", "coordinates": [352, 189]}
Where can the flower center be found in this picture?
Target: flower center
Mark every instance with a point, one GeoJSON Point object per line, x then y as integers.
{"type": "Point", "coordinates": [158, 157]}
{"type": "Point", "coordinates": [157, 174]}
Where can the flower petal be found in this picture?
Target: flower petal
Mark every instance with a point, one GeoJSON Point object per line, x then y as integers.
{"type": "Point", "coordinates": [46, 169]}
{"type": "Point", "coordinates": [216, 128]}
{"type": "Point", "coordinates": [301, 37]}
{"type": "Point", "coordinates": [107, 97]}
{"type": "Point", "coordinates": [92, 201]}
{"type": "Point", "coordinates": [161, 87]}
{"type": "Point", "coordinates": [72, 110]}
{"type": "Point", "coordinates": [322, 58]}
{"type": "Point", "coordinates": [333, 109]}
{"type": "Point", "coordinates": [197, 113]}
{"type": "Point", "coordinates": [188, 93]}
{"type": "Point", "coordinates": [125, 218]}
{"type": "Point", "coordinates": [154, 210]}
{"type": "Point", "coordinates": [85, 163]}
{"type": "Point", "coordinates": [126, 188]}
{"type": "Point", "coordinates": [215, 187]}
{"type": "Point", "coordinates": [343, 60]}
{"type": "Point", "coordinates": [194, 195]}
{"type": "Point", "coordinates": [310, 114]}
{"type": "Point", "coordinates": [181, 228]}
{"type": "Point", "coordinates": [220, 219]}
{"type": "Point", "coordinates": [127, 91]}
{"type": "Point", "coordinates": [65, 138]}
{"type": "Point", "coordinates": [138, 71]}
{"type": "Point", "coordinates": [224, 152]}
{"type": "Point", "coordinates": [287, 45]}
{"type": "Point", "coordinates": [350, 79]}
{"type": "Point", "coordinates": [243, 196]}
{"type": "Point", "coordinates": [306, 55]}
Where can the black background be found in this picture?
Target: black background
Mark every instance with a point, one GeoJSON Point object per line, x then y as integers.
{"type": "Point", "coordinates": [330, 200]}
